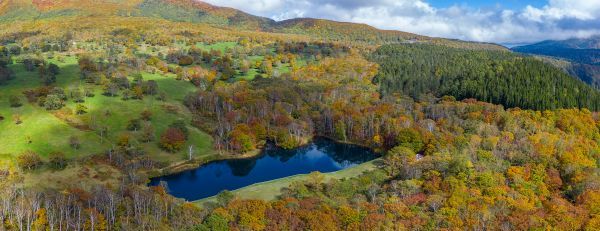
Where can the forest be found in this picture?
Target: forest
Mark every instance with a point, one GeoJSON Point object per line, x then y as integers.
{"type": "Point", "coordinates": [471, 136]}
{"type": "Point", "coordinates": [490, 76]}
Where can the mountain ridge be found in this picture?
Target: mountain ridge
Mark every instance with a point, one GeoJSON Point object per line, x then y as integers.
{"type": "Point", "coordinates": [201, 12]}
{"type": "Point", "coordinates": [578, 57]}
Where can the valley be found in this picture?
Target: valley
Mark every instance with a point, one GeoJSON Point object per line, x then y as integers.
{"type": "Point", "coordinates": [181, 115]}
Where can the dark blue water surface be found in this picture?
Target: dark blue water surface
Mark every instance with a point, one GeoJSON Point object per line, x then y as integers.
{"type": "Point", "coordinates": [321, 155]}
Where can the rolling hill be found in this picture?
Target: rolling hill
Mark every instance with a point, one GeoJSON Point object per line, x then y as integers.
{"type": "Point", "coordinates": [193, 11]}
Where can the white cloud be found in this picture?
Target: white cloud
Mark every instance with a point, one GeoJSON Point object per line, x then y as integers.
{"type": "Point", "coordinates": [558, 19]}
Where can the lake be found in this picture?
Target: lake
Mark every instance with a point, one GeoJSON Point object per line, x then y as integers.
{"type": "Point", "coordinates": [321, 155]}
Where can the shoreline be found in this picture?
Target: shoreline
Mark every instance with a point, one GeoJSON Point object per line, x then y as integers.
{"type": "Point", "coordinates": [183, 166]}
{"type": "Point", "coordinates": [258, 191]}
{"type": "Point", "coordinates": [180, 167]}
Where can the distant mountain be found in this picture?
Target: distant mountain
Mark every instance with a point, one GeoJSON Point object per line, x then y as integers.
{"type": "Point", "coordinates": [200, 12]}
{"type": "Point", "coordinates": [576, 43]}
{"type": "Point", "coordinates": [586, 51]}
{"type": "Point", "coordinates": [580, 57]}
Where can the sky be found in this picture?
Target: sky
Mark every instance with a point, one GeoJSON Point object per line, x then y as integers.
{"type": "Point", "coordinates": [505, 22]}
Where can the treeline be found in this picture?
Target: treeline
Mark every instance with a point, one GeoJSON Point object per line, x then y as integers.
{"type": "Point", "coordinates": [334, 98]}
{"type": "Point", "coordinates": [6, 73]}
{"type": "Point", "coordinates": [490, 76]}
{"type": "Point", "coordinates": [118, 207]}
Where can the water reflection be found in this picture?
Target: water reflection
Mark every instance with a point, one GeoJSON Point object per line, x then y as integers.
{"type": "Point", "coordinates": [320, 155]}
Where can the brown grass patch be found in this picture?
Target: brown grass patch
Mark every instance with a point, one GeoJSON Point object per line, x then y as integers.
{"type": "Point", "coordinates": [68, 117]}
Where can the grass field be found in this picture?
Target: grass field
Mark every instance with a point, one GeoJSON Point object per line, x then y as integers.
{"type": "Point", "coordinates": [222, 46]}
{"type": "Point", "coordinates": [44, 132]}
{"type": "Point", "coordinates": [269, 190]}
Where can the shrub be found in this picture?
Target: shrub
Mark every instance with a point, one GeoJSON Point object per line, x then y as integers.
{"type": "Point", "coordinates": [146, 115]}
{"type": "Point", "coordinates": [186, 60]}
{"type": "Point", "coordinates": [180, 124]}
{"type": "Point", "coordinates": [134, 125]}
{"type": "Point", "coordinates": [53, 102]}
{"type": "Point", "coordinates": [124, 140]}
{"type": "Point", "coordinates": [29, 160]}
{"type": "Point", "coordinates": [53, 69]}
{"type": "Point", "coordinates": [172, 140]}
{"type": "Point", "coordinates": [80, 109]}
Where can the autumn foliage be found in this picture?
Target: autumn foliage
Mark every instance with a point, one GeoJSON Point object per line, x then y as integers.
{"type": "Point", "coordinates": [172, 140]}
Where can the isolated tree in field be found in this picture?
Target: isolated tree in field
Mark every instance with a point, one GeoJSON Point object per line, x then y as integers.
{"type": "Point", "coordinates": [124, 140]}
{"type": "Point", "coordinates": [86, 65]}
{"type": "Point", "coordinates": [15, 101]}
{"type": "Point", "coordinates": [127, 94]}
{"type": "Point", "coordinates": [245, 67]}
{"type": "Point", "coordinates": [53, 102]}
{"type": "Point", "coordinates": [138, 93]}
{"type": "Point", "coordinates": [266, 67]}
{"type": "Point", "coordinates": [186, 60]}
{"type": "Point", "coordinates": [190, 152]}
{"type": "Point", "coordinates": [147, 133]}
{"type": "Point", "coordinates": [134, 125]}
{"type": "Point", "coordinates": [172, 139]}
{"type": "Point", "coordinates": [58, 92]}
{"type": "Point", "coordinates": [29, 160]}
{"type": "Point", "coordinates": [80, 109]}
{"type": "Point", "coordinates": [146, 115]}
{"type": "Point", "coordinates": [53, 69]}
{"type": "Point", "coordinates": [315, 179]}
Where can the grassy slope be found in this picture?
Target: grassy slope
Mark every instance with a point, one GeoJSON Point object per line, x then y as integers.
{"type": "Point", "coordinates": [269, 190]}
{"type": "Point", "coordinates": [224, 46]}
{"type": "Point", "coordinates": [49, 133]}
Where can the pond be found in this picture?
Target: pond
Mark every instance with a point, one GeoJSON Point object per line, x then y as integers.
{"type": "Point", "coordinates": [321, 155]}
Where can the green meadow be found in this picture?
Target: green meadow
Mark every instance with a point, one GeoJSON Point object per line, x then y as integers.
{"type": "Point", "coordinates": [45, 131]}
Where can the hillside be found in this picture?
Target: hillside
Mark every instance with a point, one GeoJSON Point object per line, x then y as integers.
{"type": "Point", "coordinates": [491, 76]}
{"type": "Point", "coordinates": [585, 51]}
{"type": "Point", "coordinates": [115, 113]}
{"type": "Point", "coordinates": [200, 12]}
{"type": "Point", "coordinates": [575, 43]}
{"type": "Point", "coordinates": [582, 56]}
